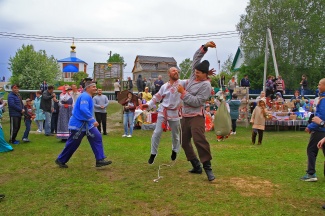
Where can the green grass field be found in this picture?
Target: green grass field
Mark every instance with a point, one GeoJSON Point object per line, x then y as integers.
{"type": "Point", "coordinates": [251, 180]}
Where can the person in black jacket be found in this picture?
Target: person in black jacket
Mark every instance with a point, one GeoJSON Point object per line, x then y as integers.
{"type": "Point", "coordinates": [130, 85]}
{"type": "Point", "coordinates": [46, 106]}
{"type": "Point", "coordinates": [55, 117]}
{"type": "Point", "coordinates": [16, 110]}
{"type": "Point", "coordinates": [140, 83]}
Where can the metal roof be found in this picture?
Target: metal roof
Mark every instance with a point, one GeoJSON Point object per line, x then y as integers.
{"type": "Point", "coordinates": [156, 59]}
{"type": "Point", "coordinates": [72, 59]}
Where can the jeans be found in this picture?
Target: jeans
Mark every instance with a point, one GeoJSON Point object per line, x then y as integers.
{"type": "Point", "coordinates": [302, 92]}
{"type": "Point", "coordinates": [28, 122]}
{"type": "Point", "coordinates": [128, 119]}
{"type": "Point", "coordinates": [40, 124]}
{"type": "Point", "coordinates": [47, 127]}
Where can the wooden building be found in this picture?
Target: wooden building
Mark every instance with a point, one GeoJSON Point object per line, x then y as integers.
{"type": "Point", "coordinates": [152, 67]}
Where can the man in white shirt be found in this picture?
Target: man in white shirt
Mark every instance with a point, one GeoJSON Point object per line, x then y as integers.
{"type": "Point", "coordinates": [117, 87]}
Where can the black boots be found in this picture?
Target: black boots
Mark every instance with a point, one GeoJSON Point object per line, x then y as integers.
{"type": "Point", "coordinates": [100, 163]}
{"type": "Point", "coordinates": [208, 170]}
{"type": "Point", "coordinates": [151, 159]}
{"type": "Point", "coordinates": [173, 156]}
{"type": "Point", "coordinates": [196, 166]}
{"type": "Point", "coordinates": [61, 165]}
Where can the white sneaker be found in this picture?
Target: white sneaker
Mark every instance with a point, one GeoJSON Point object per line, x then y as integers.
{"type": "Point", "coordinates": [38, 130]}
{"type": "Point", "coordinates": [129, 136]}
{"type": "Point", "coordinates": [233, 132]}
{"type": "Point", "coordinates": [124, 135]}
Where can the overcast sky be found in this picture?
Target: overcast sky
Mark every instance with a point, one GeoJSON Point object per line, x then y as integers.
{"type": "Point", "coordinates": [119, 19]}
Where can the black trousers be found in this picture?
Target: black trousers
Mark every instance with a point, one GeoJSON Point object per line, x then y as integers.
{"type": "Point", "coordinates": [233, 124]}
{"type": "Point", "coordinates": [116, 92]}
{"type": "Point", "coordinates": [312, 150]}
{"type": "Point", "coordinates": [101, 119]}
{"type": "Point", "coordinates": [54, 122]}
{"type": "Point", "coordinates": [14, 127]}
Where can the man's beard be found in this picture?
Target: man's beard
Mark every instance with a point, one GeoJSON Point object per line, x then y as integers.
{"type": "Point", "coordinates": [174, 78]}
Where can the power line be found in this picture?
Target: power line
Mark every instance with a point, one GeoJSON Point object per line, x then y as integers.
{"type": "Point", "coordinates": [160, 39]}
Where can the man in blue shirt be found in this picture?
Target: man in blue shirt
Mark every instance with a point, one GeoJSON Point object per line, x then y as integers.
{"type": "Point", "coordinates": [317, 132]}
{"type": "Point", "coordinates": [83, 123]}
{"type": "Point", "coordinates": [245, 82]}
{"type": "Point", "coordinates": [158, 83]}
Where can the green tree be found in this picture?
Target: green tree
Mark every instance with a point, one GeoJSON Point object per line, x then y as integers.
{"type": "Point", "coordinates": [186, 68]}
{"type": "Point", "coordinates": [225, 70]}
{"type": "Point", "coordinates": [29, 68]}
{"type": "Point", "coordinates": [77, 77]}
{"type": "Point", "coordinates": [226, 66]}
{"type": "Point", "coordinates": [298, 34]}
{"type": "Point", "coordinates": [116, 58]}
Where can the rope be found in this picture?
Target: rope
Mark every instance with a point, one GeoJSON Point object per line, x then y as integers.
{"type": "Point", "coordinates": [88, 133]}
{"type": "Point", "coordinates": [174, 162]}
{"type": "Point", "coordinates": [219, 68]}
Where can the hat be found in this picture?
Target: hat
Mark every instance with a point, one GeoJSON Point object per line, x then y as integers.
{"type": "Point", "coordinates": [28, 100]}
{"type": "Point", "coordinates": [203, 66]}
{"type": "Point", "coordinates": [278, 93]}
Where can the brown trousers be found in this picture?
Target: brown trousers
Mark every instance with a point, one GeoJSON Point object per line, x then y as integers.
{"type": "Point", "coordinates": [195, 127]}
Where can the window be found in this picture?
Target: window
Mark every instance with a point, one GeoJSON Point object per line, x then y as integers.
{"type": "Point", "coordinates": [154, 75]}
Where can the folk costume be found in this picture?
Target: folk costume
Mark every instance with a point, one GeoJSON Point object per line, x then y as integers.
{"type": "Point", "coordinates": [82, 123]}
{"type": "Point", "coordinates": [168, 115]}
{"type": "Point", "coordinates": [65, 112]}
{"type": "Point", "coordinates": [193, 122]}
{"type": "Point", "coordinates": [4, 146]}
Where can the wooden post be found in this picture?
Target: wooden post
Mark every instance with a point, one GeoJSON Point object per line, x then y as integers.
{"type": "Point", "coordinates": [265, 61]}
{"type": "Point", "coordinates": [273, 53]}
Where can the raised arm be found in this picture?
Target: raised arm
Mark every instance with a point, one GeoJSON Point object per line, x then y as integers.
{"type": "Point", "coordinates": [198, 55]}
